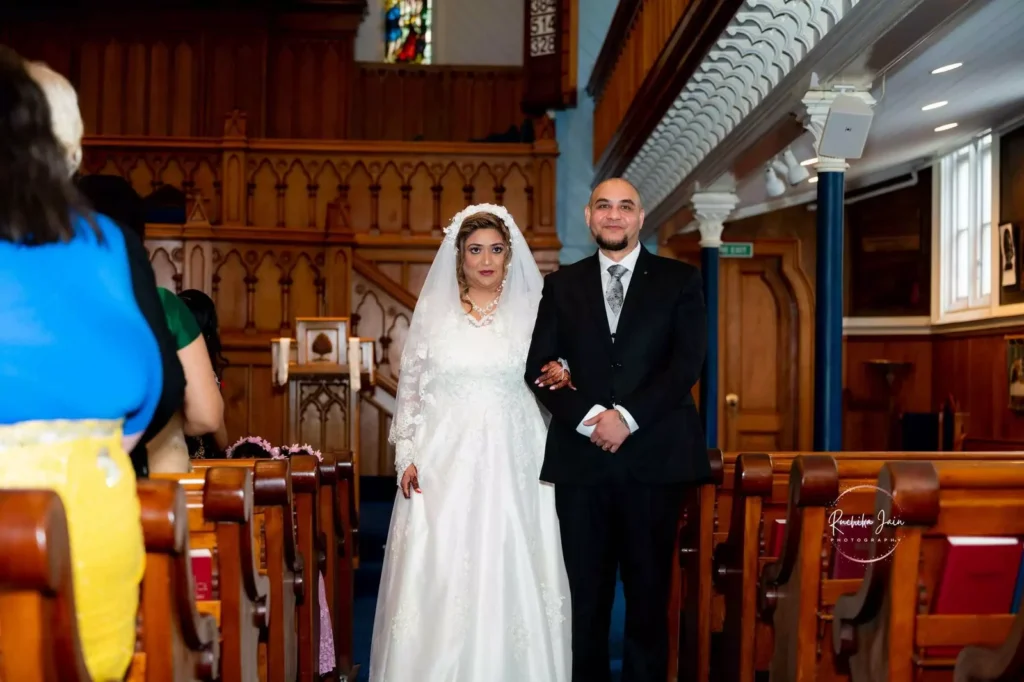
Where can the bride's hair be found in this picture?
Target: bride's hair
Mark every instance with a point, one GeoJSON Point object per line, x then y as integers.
{"type": "Point", "coordinates": [478, 221]}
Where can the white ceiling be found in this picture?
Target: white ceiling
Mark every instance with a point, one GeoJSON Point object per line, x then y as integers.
{"type": "Point", "coordinates": [986, 92]}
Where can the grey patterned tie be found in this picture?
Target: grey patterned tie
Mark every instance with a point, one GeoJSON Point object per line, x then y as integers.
{"type": "Point", "coordinates": [615, 293]}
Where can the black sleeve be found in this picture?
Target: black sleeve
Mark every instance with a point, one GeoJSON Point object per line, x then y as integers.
{"type": "Point", "coordinates": [666, 390]}
{"type": "Point", "coordinates": [148, 300]}
{"type": "Point", "coordinates": [567, 406]}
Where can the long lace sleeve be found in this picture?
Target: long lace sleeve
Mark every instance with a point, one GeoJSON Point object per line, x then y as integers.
{"type": "Point", "coordinates": [412, 397]}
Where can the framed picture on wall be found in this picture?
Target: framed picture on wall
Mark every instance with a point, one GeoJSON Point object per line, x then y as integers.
{"type": "Point", "coordinates": [1015, 371]}
{"type": "Point", "coordinates": [1008, 255]}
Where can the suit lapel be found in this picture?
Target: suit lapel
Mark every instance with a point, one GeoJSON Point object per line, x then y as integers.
{"type": "Point", "coordinates": [636, 295]}
{"type": "Point", "coordinates": [593, 293]}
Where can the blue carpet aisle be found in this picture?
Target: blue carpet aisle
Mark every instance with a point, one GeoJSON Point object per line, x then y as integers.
{"type": "Point", "coordinates": [377, 497]}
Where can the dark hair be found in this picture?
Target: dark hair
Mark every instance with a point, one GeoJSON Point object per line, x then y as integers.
{"type": "Point", "coordinates": [114, 197]}
{"type": "Point", "coordinates": [38, 200]}
{"type": "Point", "coordinates": [205, 312]}
{"type": "Point", "coordinates": [478, 221]}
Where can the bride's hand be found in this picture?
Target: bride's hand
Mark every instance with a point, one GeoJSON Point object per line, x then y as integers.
{"type": "Point", "coordinates": [410, 481]}
{"type": "Point", "coordinates": [555, 376]}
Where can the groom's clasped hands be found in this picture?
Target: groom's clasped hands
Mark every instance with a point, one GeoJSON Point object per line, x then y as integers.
{"type": "Point", "coordinates": [610, 427]}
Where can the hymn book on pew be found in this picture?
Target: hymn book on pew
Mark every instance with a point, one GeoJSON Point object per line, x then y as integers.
{"type": "Point", "coordinates": [851, 562]}
{"type": "Point", "coordinates": [979, 577]}
{"type": "Point", "coordinates": [202, 570]}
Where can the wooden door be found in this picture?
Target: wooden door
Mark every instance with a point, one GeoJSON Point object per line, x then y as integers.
{"type": "Point", "coordinates": [757, 366]}
{"type": "Point", "coordinates": [766, 347]}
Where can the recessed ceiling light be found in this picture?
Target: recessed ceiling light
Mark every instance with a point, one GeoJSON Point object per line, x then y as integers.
{"type": "Point", "coordinates": [948, 67]}
{"type": "Point", "coordinates": [813, 179]}
{"type": "Point", "coordinates": [808, 162]}
{"type": "Point", "coordinates": [948, 126]}
{"type": "Point", "coordinates": [934, 105]}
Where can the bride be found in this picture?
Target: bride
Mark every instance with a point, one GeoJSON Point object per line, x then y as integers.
{"type": "Point", "coordinates": [473, 586]}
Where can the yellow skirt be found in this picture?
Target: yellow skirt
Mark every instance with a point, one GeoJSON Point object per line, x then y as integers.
{"type": "Point", "coordinates": [85, 463]}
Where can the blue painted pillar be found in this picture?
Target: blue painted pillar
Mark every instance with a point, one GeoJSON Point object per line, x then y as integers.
{"type": "Point", "coordinates": [710, 209]}
{"type": "Point", "coordinates": [709, 268]}
{"type": "Point", "coordinates": [828, 336]}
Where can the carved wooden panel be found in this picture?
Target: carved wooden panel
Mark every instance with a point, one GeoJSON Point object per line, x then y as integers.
{"type": "Point", "coordinates": [319, 412]}
{"type": "Point", "coordinates": [387, 189]}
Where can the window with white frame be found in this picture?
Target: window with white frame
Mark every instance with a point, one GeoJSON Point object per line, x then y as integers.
{"type": "Point", "coordinates": [965, 182]}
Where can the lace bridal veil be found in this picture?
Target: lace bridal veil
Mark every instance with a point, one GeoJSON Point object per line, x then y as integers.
{"type": "Point", "coordinates": [439, 308]}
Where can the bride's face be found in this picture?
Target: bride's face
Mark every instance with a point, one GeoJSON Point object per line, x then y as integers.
{"type": "Point", "coordinates": [483, 259]}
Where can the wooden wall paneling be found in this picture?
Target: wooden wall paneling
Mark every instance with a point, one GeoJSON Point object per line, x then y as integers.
{"type": "Point", "coordinates": [889, 252]}
{"type": "Point", "coordinates": [433, 102]}
{"type": "Point", "coordinates": [969, 366]}
{"type": "Point", "coordinates": [866, 416]}
{"type": "Point", "coordinates": [180, 73]}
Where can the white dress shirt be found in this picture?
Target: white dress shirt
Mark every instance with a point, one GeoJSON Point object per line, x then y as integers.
{"type": "Point", "coordinates": [629, 262]}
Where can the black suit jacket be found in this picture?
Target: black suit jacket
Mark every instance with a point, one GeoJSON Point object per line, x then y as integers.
{"type": "Point", "coordinates": [649, 368]}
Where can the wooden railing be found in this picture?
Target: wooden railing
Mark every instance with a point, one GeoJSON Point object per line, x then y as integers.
{"type": "Point", "coordinates": [650, 51]}
{"type": "Point", "coordinates": [409, 189]}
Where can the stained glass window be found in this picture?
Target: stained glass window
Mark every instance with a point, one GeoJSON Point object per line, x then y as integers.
{"type": "Point", "coordinates": [407, 31]}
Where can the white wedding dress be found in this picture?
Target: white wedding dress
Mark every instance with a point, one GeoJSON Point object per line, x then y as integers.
{"type": "Point", "coordinates": [473, 588]}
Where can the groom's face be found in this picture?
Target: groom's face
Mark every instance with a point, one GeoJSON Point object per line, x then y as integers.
{"type": "Point", "coordinates": [614, 215]}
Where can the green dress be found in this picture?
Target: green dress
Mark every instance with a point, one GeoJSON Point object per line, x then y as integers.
{"type": "Point", "coordinates": [180, 320]}
{"type": "Point", "coordinates": [169, 449]}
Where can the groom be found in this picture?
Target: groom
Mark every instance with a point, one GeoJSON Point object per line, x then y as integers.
{"type": "Point", "coordinates": [622, 446]}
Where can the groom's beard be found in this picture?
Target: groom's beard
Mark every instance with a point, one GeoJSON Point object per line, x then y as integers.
{"type": "Point", "coordinates": [608, 245]}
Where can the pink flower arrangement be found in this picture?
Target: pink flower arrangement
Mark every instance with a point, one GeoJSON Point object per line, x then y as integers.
{"type": "Point", "coordinates": [275, 453]}
{"type": "Point", "coordinates": [304, 449]}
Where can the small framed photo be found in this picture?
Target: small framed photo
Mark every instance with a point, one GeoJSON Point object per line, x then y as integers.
{"type": "Point", "coordinates": [321, 340]}
{"type": "Point", "coordinates": [1009, 272]}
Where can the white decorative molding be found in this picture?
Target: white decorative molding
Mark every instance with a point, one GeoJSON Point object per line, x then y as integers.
{"type": "Point", "coordinates": [711, 210]}
{"type": "Point", "coordinates": [925, 326]}
{"type": "Point", "coordinates": [759, 47]}
{"type": "Point", "coordinates": [886, 326]}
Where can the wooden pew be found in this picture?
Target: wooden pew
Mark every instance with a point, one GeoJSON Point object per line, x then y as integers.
{"type": "Point", "coordinates": [339, 521]}
{"type": "Point", "coordinates": [884, 630]}
{"type": "Point", "coordinates": [274, 528]}
{"type": "Point", "coordinates": [690, 604]}
{"type": "Point", "coordinates": [38, 628]}
{"type": "Point", "coordinates": [758, 495]}
{"type": "Point", "coordinates": [1002, 664]}
{"type": "Point", "coordinates": [179, 643]}
{"type": "Point", "coordinates": [973, 444]}
{"type": "Point", "coordinates": [220, 508]}
{"type": "Point", "coordinates": [796, 596]}
{"type": "Point", "coordinates": [312, 542]}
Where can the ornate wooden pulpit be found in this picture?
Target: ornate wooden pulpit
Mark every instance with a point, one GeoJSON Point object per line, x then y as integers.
{"type": "Point", "coordinates": [323, 369]}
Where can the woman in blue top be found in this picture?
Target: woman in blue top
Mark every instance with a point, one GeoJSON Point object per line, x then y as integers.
{"type": "Point", "coordinates": [80, 371]}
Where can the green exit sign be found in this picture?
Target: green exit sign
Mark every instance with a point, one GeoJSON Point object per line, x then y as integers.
{"type": "Point", "coordinates": [736, 250]}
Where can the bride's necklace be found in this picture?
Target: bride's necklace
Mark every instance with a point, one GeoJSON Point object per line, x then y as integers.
{"type": "Point", "coordinates": [488, 309]}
